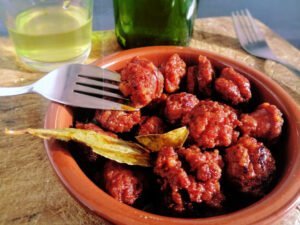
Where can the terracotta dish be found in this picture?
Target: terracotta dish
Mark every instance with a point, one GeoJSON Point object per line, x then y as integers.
{"type": "Point", "coordinates": [283, 197]}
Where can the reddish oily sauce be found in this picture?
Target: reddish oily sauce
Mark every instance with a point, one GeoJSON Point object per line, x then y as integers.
{"type": "Point", "coordinates": [230, 159]}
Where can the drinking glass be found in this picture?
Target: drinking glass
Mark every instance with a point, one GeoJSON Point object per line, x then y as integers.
{"type": "Point", "coordinates": [49, 33]}
{"type": "Point", "coordinates": [154, 22]}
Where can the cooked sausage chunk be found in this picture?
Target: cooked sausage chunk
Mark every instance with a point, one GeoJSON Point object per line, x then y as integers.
{"type": "Point", "coordinates": [200, 77]}
{"type": "Point", "coordinates": [175, 179]}
{"type": "Point", "coordinates": [173, 70]}
{"type": "Point", "coordinates": [233, 86]}
{"type": "Point", "coordinates": [142, 81]}
{"type": "Point", "coordinates": [212, 124]}
{"type": "Point", "coordinates": [250, 165]}
{"type": "Point", "coordinates": [207, 167]}
{"type": "Point", "coordinates": [121, 182]}
{"type": "Point", "coordinates": [152, 125]}
{"type": "Point", "coordinates": [265, 122]}
{"type": "Point", "coordinates": [117, 121]}
{"type": "Point", "coordinates": [178, 105]}
{"type": "Point", "coordinates": [205, 75]}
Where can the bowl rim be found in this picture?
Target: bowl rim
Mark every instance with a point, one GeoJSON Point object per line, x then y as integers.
{"type": "Point", "coordinates": [82, 189]}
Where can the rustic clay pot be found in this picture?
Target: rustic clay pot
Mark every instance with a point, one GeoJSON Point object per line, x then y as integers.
{"type": "Point", "coordinates": [283, 197]}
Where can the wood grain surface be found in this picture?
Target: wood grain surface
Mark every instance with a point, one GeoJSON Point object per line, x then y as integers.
{"type": "Point", "coordinates": [30, 192]}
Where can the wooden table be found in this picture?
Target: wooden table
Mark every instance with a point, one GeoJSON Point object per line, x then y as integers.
{"type": "Point", "coordinates": [30, 192]}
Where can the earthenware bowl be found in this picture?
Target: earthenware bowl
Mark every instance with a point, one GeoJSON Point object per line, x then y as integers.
{"type": "Point", "coordinates": [283, 197]}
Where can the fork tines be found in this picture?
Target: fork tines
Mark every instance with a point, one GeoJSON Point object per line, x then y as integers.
{"type": "Point", "coordinates": [103, 84]}
{"type": "Point", "coordinates": [245, 27]}
{"type": "Point", "coordinates": [97, 87]}
{"type": "Point", "coordinates": [98, 72]}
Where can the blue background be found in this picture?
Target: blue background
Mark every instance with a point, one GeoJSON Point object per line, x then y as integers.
{"type": "Point", "coordinates": [282, 16]}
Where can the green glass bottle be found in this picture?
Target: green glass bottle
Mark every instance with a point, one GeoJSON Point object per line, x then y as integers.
{"type": "Point", "coordinates": [154, 22]}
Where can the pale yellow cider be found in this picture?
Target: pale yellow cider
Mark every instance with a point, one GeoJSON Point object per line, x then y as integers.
{"type": "Point", "coordinates": [52, 34]}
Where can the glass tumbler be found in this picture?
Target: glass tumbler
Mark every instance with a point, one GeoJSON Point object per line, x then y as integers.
{"type": "Point", "coordinates": [49, 33]}
{"type": "Point", "coordinates": [154, 22]}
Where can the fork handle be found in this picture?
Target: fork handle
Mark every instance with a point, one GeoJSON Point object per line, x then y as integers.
{"type": "Point", "coordinates": [10, 91]}
{"type": "Point", "coordinates": [289, 66]}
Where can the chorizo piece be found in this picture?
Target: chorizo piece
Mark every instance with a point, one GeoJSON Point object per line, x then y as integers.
{"type": "Point", "coordinates": [152, 125]}
{"type": "Point", "coordinates": [118, 121]}
{"type": "Point", "coordinates": [250, 165]}
{"type": "Point", "coordinates": [173, 70]}
{"type": "Point", "coordinates": [121, 182]}
{"type": "Point", "coordinates": [200, 77]}
{"type": "Point", "coordinates": [233, 86]}
{"type": "Point", "coordinates": [265, 122]}
{"type": "Point", "coordinates": [141, 81]}
{"type": "Point", "coordinates": [174, 179]}
{"type": "Point", "coordinates": [212, 124]}
{"type": "Point", "coordinates": [178, 105]}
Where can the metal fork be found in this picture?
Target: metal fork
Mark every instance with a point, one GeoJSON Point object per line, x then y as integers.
{"type": "Point", "coordinates": [86, 86]}
{"type": "Point", "coordinates": [253, 41]}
